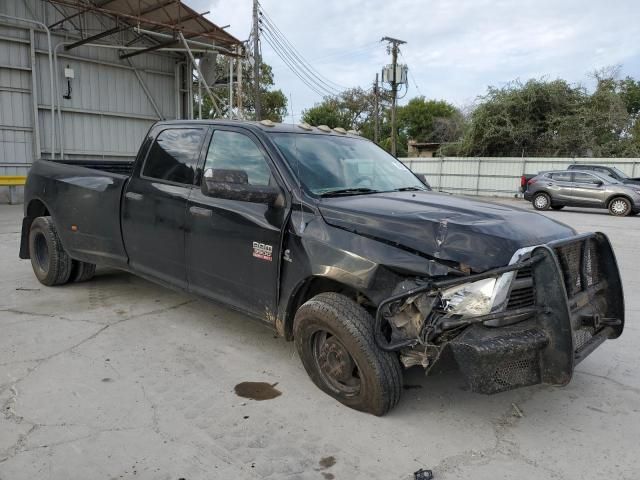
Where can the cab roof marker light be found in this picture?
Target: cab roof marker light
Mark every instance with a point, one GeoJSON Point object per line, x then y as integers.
{"type": "Point", "coordinates": [340, 130]}
{"type": "Point", "coordinates": [324, 128]}
{"type": "Point", "coordinates": [267, 123]}
{"type": "Point", "coordinates": [305, 126]}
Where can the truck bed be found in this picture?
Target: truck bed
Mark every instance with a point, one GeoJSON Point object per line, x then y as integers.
{"type": "Point", "coordinates": [119, 167]}
{"type": "Point", "coordinates": [84, 200]}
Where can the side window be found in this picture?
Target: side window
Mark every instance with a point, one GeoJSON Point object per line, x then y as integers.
{"type": "Point", "coordinates": [235, 151]}
{"type": "Point", "coordinates": [561, 176]}
{"type": "Point", "coordinates": [585, 178]}
{"type": "Point", "coordinates": [174, 155]}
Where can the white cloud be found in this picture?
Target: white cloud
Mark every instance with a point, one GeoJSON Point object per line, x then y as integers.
{"type": "Point", "coordinates": [455, 48]}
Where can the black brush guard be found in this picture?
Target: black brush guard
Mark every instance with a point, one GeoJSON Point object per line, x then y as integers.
{"type": "Point", "coordinates": [579, 304]}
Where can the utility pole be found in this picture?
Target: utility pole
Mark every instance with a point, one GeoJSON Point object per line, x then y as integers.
{"type": "Point", "coordinates": [256, 60]}
{"type": "Point", "coordinates": [239, 78]}
{"type": "Point", "coordinates": [394, 42]}
{"type": "Point", "coordinates": [376, 96]}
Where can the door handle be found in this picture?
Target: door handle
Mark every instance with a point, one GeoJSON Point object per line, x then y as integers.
{"type": "Point", "coordinates": [200, 212]}
{"type": "Point", "coordinates": [134, 196]}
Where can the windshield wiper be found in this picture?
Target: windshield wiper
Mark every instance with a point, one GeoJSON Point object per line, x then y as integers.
{"type": "Point", "coordinates": [409, 189]}
{"type": "Point", "coordinates": [348, 191]}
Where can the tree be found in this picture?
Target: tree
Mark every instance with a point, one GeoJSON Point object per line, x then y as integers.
{"type": "Point", "coordinates": [355, 109]}
{"type": "Point", "coordinates": [274, 101]}
{"type": "Point", "coordinates": [552, 118]}
{"type": "Point", "coordinates": [430, 120]}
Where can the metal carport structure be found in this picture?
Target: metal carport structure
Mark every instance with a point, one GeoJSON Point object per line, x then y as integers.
{"type": "Point", "coordinates": [132, 63]}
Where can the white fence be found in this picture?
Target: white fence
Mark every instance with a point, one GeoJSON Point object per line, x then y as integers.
{"type": "Point", "coordinates": [499, 176]}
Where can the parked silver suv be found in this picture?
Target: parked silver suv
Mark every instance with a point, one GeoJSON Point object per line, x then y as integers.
{"type": "Point", "coordinates": [577, 188]}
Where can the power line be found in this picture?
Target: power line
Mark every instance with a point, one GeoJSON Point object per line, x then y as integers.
{"type": "Point", "coordinates": [297, 54]}
{"type": "Point", "coordinates": [413, 79]}
{"type": "Point", "coordinates": [295, 63]}
{"type": "Point", "coordinates": [285, 59]}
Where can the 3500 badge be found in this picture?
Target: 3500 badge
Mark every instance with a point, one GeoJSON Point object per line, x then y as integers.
{"type": "Point", "coordinates": [263, 251]}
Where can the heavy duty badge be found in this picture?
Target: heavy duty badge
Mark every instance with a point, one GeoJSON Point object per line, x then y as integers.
{"type": "Point", "coordinates": [262, 251]}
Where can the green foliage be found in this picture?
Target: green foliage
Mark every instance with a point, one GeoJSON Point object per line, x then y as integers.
{"type": "Point", "coordinates": [430, 120]}
{"type": "Point", "coordinates": [274, 102]}
{"type": "Point", "coordinates": [553, 118]}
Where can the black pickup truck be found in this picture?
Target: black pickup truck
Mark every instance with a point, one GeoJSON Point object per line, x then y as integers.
{"type": "Point", "coordinates": [339, 247]}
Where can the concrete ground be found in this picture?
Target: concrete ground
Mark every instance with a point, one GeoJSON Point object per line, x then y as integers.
{"type": "Point", "coordinates": [120, 378]}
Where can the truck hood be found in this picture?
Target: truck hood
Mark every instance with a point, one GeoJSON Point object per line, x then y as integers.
{"type": "Point", "coordinates": [479, 235]}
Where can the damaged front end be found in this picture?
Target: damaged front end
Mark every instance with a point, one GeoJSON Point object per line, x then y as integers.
{"type": "Point", "coordinates": [526, 323]}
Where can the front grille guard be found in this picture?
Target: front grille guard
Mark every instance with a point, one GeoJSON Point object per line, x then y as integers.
{"type": "Point", "coordinates": [434, 288]}
{"type": "Point", "coordinates": [566, 278]}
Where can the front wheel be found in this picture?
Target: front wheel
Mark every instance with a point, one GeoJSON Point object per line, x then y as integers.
{"type": "Point", "coordinates": [541, 201]}
{"type": "Point", "coordinates": [335, 340]}
{"type": "Point", "coordinates": [620, 207]}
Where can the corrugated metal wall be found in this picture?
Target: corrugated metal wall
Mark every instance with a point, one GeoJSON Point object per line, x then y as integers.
{"type": "Point", "coordinates": [109, 111]}
{"type": "Point", "coordinates": [499, 176]}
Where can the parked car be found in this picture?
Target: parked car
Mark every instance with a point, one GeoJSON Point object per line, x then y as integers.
{"type": "Point", "coordinates": [340, 248]}
{"type": "Point", "coordinates": [609, 171]}
{"type": "Point", "coordinates": [613, 172]}
{"type": "Point", "coordinates": [576, 188]}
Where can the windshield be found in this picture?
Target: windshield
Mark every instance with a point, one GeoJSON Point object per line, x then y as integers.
{"type": "Point", "coordinates": [620, 173]}
{"type": "Point", "coordinates": [328, 164]}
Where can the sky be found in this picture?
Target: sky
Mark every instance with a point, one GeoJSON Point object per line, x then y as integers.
{"type": "Point", "coordinates": [455, 49]}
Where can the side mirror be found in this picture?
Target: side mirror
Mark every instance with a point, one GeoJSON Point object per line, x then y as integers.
{"type": "Point", "coordinates": [423, 178]}
{"type": "Point", "coordinates": [598, 183]}
{"type": "Point", "coordinates": [234, 185]}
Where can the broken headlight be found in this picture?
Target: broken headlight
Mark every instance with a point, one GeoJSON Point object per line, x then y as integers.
{"type": "Point", "coordinates": [482, 297]}
{"type": "Point", "coordinates": [470, 299]}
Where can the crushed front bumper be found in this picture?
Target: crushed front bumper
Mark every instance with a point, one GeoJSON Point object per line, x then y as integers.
{"type": "Point", "coordinates": [577, 304]}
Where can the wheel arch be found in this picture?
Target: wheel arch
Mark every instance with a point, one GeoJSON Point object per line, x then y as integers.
{"type": "Point", "coordinates": [309, 288]}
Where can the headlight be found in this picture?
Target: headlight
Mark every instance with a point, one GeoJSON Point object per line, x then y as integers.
{"type": "Point", "coordinates": [484, 296]}
{"type": "Point", "coordinates": [470, 299]}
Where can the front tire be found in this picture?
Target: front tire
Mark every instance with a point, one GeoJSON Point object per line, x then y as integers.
{"type": "Point", "coordinates": [541, 201]}
{"type": "Point", "coordinates": [620, 207]}
{"type": "Point", "coordinates": [51, 264]}
{"type": "Point", "coordinates": [335, 340]}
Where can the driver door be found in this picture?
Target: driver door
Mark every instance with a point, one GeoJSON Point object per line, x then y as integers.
{"type": "Point", "coordinates": [233, 246]}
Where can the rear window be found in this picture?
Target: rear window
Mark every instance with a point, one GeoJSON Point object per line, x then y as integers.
{"type": "Point", "coordinates": [561, 176]}
{"type": "Point", "coordinates": [174, 155]}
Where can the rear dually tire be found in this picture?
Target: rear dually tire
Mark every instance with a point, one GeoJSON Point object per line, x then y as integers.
{"type": "Point", "coordinates": [50, 262]}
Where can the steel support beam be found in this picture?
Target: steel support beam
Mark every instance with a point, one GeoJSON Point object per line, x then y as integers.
{"type": "Point", "coordinates": [97, 36]}
{"type": "Point", "coordinates": [34, 95]}
{"type": "Point", "coordinates": [148, 49]}
{"type": "Point", "coordinates": [212, 34]}
{"type": "Point", "coordinates": [213, 96]}
{"type": "Point", "coordinates": [147, 92]}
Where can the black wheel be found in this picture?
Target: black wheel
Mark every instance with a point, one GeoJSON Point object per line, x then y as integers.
{"type": "Point", "coordinates": [541, 201]}
{"type": "Point", "coordinates": [50, 262]}
{"type": "Point", "coordinates": [82, 271]}
{"type": "Point", "coordinates": [557, 207]}
{"type": "Point", "coordinates": [334, 338]}
{"type": "Point", "coordinates": [620, 207]}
